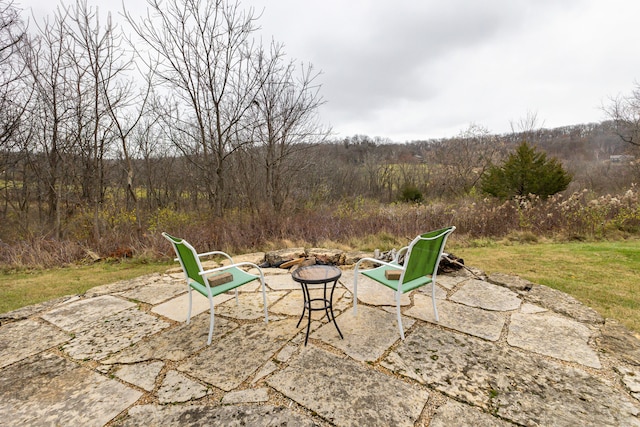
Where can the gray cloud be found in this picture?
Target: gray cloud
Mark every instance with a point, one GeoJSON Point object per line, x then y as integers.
{"type": "Point", "coordinates": [428, 68]}
{"type": "Point", "coordinates": [390, 54]}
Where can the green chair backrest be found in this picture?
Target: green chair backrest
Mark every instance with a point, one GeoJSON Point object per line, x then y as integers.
{"type": "Point", "coordinates": [424, 254]}
{"type": "Point", "coordinates": [188, 258]}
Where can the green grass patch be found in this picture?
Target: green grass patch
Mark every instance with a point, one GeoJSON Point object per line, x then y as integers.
{"type": "Point", "coordinates": [602, 275]}
{"type": "Point", "coordinates": [20, 289]}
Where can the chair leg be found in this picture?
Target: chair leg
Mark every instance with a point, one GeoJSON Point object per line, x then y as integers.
{"type": "Point", "coordinates": [355, 292]}
{"type": "Point", "coordinates": [264, 301]}
{"type": "Point", "coordinates": [189, 309]}
{"type": "Point", "coordinates": [398, 296]}
{"type": "Point", "coordinates": [211, 321]}
{"type": "Point", "coordinates": [433, 298]}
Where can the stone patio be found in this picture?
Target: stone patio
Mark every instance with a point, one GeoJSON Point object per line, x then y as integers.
{"type": "Point", "coordinates": [505, 352]}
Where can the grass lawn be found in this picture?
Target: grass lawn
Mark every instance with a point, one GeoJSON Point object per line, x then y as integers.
{"type": "Point", "coordinates": [19, 289]}
{"type": "Point", "coordinates": [602, 275]}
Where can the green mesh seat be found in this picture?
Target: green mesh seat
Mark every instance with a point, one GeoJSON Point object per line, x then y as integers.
{"type": "Point", "coordinates": [419, 268]}
{"type": "Point", "coordinates": [197, 278]}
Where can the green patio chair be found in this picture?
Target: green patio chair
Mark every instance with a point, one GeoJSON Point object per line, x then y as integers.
{"type": "Point", "coordinates": [419, 268]}
{"type": "Point", "coordinates": [197, 278]}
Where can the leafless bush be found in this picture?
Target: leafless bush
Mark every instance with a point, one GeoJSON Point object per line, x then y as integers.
{"type": "Point", "coordinates": [578, 215]}
{"type": "Point", "coordinates": [41, 253]}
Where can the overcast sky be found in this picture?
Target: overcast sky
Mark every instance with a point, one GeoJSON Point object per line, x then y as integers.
{"type": "Point", "coordinates": [420, 69]}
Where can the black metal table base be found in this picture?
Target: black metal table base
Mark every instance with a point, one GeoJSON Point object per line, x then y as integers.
{"type": "Point", "coordinates": [316, 275]}
{"type": "Point", "coordinates": [327, 306]}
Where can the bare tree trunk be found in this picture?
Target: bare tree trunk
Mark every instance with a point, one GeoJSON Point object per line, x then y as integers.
{"type": "Point", "coordinates": [206, 57]}
{"type": "Point", "coordinates": [286, 122]}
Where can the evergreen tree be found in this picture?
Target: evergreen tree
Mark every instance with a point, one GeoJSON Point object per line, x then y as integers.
{"type": "Point", "coordinates": [527, 171]}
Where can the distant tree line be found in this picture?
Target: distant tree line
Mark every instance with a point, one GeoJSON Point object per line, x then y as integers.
{"type": "Point", "coordinates": [191, 113]}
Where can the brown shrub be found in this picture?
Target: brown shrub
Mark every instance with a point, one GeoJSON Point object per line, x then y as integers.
{"type": "Point", "coordinates": [579, 215]}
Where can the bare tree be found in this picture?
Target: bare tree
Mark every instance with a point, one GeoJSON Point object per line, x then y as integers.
{"type": "Point", "coordinates": [529, 124]}
{"type": "Point", "coordinates": [51, 112]}
{"type": "Point", "coordinates": [14, 98]}
{"type": "Point", "coordinates": [202, 52]}
{"type": "Point", "coordinates": [286, 122]}
{"type": "Point", "coordinates": [74, 65]}
{"type": "Point", "coordinates": [116, 108]}
{"type": "Point", "coordinates": [13, 101]}
{"type": "Point", "coordinates": [95, 56]}
{"type": "Point", "coordinates": [461, 161]}
{"type": "Point", "coordinates": [625, 113]}
{"type": "Point", "coordinates": [148, 149]}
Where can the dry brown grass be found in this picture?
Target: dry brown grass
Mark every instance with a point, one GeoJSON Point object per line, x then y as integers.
{"type": "Point", "coordinates": [350, 224]}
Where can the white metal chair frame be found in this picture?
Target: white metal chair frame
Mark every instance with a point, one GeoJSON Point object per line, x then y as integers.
{"type": "Point", "coordinates": [191, 284]}
{"type": "Point", "coordinates": [395, 264]}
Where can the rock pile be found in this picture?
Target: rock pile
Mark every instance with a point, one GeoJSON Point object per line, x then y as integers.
{"type": "Point", "coordinates": [294, 257]}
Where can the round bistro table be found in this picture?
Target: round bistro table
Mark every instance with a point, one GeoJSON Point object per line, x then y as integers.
{"type": "Point", "coordinates": [314, 275]}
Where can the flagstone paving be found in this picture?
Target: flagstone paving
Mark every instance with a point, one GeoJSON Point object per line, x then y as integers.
{"type": "Point", "coordinates": [347, 393]}
{"type": "Point", "coordinates": [239, 354]}
{"type": "Point", "coordinates": [17, 340]}
{"type": "Point", "coordinates": [477, 293]}
{"type": "Point", "coordinates": [521, 387]}
{"type": "Point", "coordinates": [504, 352]}
{"type": "Point", "coordinates": [470, 320]}
{"type": "Point", "coordinates": [142, 375]}
{"type": "Point", "coordinates": [215, 415]}
{"type": "Point", "coordinates": [177, 388]}
{"type": "Point", "coordinates": [112, 334]}
{"type": "Point", "coordinates": [554, 336]}
{"type": "Point", "coordinates": [79, 314]}
{"type": "Point", "coordinates": [48, 389]}
{"type": "Point", "coordinates": [361, 344]}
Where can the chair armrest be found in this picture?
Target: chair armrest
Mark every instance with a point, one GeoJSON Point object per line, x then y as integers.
{"type": "Point", "coordinates": [377, 261]}
{"type": "Point", "coordinates": [216, 253]}
{"type": "Point", "coordinates": [226, 267]}
{"type": "Point", "coordinates": [246, 263]}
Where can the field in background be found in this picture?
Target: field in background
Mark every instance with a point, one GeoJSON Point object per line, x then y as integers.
{"type": "Point", "coordinates": [603, 275]}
